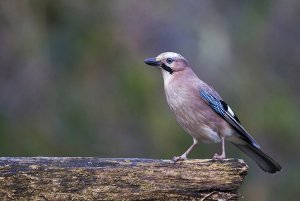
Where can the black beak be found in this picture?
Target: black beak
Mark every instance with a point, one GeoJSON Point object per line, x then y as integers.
{"type": "Point", "coordinates": [152, 62]}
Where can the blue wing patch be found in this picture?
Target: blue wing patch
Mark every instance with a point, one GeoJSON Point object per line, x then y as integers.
{"type": "Point", "coordinates": [221, 108]}
{"type": "Point", "coordinates": [213, 102]}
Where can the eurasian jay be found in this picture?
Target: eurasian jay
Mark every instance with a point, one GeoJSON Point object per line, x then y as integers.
{"type": "Point", "coordinates": [202, 113]}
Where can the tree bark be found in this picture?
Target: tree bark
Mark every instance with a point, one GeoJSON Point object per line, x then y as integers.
{"type": "Point", "coordinates": [50, 178]}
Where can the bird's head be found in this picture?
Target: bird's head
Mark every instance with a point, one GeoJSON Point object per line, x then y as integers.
{"type": "Point", "coordinates": [169, 62]}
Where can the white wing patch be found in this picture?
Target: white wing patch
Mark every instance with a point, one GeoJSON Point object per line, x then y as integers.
{"type": "Point", "coordinates": [230, 111]}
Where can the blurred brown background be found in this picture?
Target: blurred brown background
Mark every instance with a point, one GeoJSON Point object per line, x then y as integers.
{"type": "Point", "coordinates": [73, 81]}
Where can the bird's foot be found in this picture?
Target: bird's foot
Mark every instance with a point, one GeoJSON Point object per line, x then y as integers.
{"type": "Point", "coordinates": [219, 157]}
{"type": "Point", "coordinates": [179, 158]}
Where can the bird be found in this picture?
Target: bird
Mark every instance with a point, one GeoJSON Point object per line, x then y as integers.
{"type": "Point", "coordinates": [202, 113]}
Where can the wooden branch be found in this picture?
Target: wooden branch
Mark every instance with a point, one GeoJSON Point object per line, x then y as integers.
{"type": "Point", "coordinates": [43, 178]}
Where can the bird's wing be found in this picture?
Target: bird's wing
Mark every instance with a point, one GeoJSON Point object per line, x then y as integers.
{"type": "Point", "coordinates": [222, 109]}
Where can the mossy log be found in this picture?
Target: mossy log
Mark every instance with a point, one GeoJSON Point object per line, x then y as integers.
{"type": "Point", "coordinates": [75, 178]}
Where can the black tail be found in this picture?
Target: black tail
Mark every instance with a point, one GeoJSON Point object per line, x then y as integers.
{"type": "Point", "coordinates": [263, 161]}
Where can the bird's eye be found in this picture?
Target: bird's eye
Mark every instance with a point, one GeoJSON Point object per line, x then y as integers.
{"type": "Point", "coordinates": [170, 60]}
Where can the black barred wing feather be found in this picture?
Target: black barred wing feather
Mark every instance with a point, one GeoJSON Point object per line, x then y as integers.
{"type": "Point", "coordinates": [222, 109]}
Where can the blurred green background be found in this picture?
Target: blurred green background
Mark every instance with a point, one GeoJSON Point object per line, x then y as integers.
{"type": "Point", "coordinates": [73, 81]}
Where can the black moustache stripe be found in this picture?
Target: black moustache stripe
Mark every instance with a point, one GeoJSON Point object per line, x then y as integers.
{"type": "Point", "coordinates": [167, 68]}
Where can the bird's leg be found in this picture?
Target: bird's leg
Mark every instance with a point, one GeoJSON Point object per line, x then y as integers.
{"type": "Point", "coordinates": [223, 155]}
{"type": "Point", "coordinates": [184, 155]}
